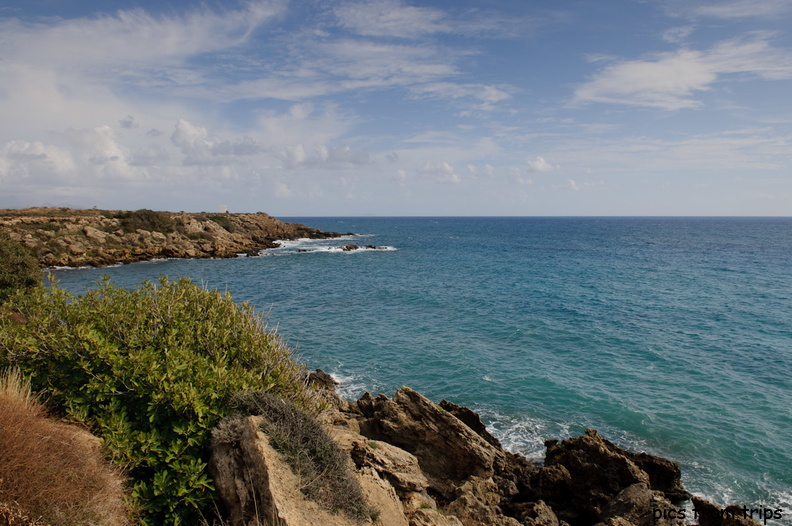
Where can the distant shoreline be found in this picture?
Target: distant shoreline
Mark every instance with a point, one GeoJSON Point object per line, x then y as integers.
{"type": "Point", "coordinates": [65, 237]}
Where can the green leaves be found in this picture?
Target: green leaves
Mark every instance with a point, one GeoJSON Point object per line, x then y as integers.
{"type": "Point", "coordinates": [151, 371]}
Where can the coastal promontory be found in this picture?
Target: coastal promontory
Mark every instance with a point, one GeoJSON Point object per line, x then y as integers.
{"type": "Point", "coordinates": [74, 238]}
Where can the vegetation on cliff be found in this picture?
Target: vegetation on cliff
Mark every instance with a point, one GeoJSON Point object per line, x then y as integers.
{"type": "Point", "coordinates": [151, 371]}
{"type": "Point", "coordinates": [50, 472]}
{"type": "Point", "coordinates": [67, 237]}
{"type": "Point", "coordinates": [19, 268]}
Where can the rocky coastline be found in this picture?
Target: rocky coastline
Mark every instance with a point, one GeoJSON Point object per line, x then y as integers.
{"type": "Point", "coordinates": [64, 237]}
{"type": "Point", "coordinates": [424, 464]}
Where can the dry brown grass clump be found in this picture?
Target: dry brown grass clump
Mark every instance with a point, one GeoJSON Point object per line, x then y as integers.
{"type": "Point", "coordinates": [50, 471]}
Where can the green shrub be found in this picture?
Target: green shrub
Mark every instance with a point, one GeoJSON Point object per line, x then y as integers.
{"type": "Point", "coordinates": [311, 453]}
{"type": "Point", "coordinates": [146, 220]}
{"type": "Point", "coordinates": [224, 221]}
{"type": "Point", "coordinates": [19, 268]}
{"type": "Point", "coordinates": [151, 371]}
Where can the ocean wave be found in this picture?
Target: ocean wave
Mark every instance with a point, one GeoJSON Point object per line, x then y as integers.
{"type": "Point", "coordinates": [312, 246]}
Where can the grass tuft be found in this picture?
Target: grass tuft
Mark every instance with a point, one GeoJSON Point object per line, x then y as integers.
{"type": "Point", "coordinates": [51, 472]}
{"type": "Point", "coordinates": [321, 465]}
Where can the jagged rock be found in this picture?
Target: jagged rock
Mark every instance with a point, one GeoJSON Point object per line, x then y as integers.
{"type": "Point", "coordinates": [471, 419]}
{"type": "Point", "coordinates": [448, 451]}
{"type": "Point", "coordinates": [94, 234]}
{"type": "Point", "coordinates": [322, 380]}
{"type": "Point", "coordinates": [595, 474]}
{"type": "Point", "coordinates": [709, 514]}
{"type": "Point", "coordinates": [381, 496]}
{"type": "Point", "coordinates": [399, 467]}
{"type": "Point", "coordinates": [536, 514]}
{"type": "Point", "coordinates": [430, 517]}
{"type": "Point", "coordinates": [641, 506]}
{"type": "Point", "coordinates": [255, 484]}
{"type": "Point", "coordinates": [478, 504]}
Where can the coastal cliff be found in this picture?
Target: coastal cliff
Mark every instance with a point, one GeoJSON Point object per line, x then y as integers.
{"type": "Point", "coordinates": [424, 464]}
{"type": "Point", "coordinates": [74, 238]}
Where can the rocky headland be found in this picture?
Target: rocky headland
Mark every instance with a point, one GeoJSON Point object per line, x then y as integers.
{"type": "Point", "coordinates": [424, 464]}
{"type": "Point", "coordinates": [75, 238]}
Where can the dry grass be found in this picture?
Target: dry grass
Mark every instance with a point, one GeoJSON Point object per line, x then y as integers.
{"type": "Point", "coordinates": [50, 471]}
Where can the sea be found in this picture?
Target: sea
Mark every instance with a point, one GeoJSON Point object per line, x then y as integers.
{"type": "Point", "coordinates": [668, 335]}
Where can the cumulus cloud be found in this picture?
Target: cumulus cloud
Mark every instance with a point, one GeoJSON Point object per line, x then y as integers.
{"type": "Point", "coordinates": [443, 171]}
{"type": "Point", "coordinates": [539, 164]}
{"type": "Point", "coordinates": [670, 80]}
{"type": "Point", "coordinates": [128, 122]}
{"type": "Point", "coordinates": [200, 149]}
{"type": "Point", "coordinates": [486, 170]}
{"type": "Point", "coordinates": [322, 157]}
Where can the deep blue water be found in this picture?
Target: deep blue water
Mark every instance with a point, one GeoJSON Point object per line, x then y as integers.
{"type": "Point", "coordinates": [670, 335]}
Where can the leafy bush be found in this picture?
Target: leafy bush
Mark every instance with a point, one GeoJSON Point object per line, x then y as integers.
{"type": "Point", "coordinates": [52, 471]}
{"type": "Point", "coordinates": [19, 268]}
{"type": "Point", "coordinates": [224, 221]}
{"type": "Point", "coordinates": [145, 219]}
{"type": "Point", "coordinates": [152, 371]}
{"type": "Point", "coordinates": [311, 453]}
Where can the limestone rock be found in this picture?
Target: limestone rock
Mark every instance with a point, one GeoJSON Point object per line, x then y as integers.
{"type": "Point", "coordinates": [430, 517]}
{"type": "Point", "coordinates": [255, 484]}
{"type": "Point", "coordinates": [448, 451]}
{"type": "Point", "coordinates": [641, 506]}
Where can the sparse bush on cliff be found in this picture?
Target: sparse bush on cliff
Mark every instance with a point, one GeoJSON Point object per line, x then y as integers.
{"type": "Point", "coordinates": [19, 268]}
{"type": "Point", "coordinates": [224, 221]}
{"type": "Point", "coordinates": [314, 456]}
{"type": "Point", "coordinates": [52, 473]}
{"type": "Point", "coordinates": [145, 219]}
{"type": "Point", "coordinates": [152, 371]}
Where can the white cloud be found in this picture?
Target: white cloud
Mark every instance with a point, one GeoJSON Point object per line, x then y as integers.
{"type": "Point", "coordinates": [670, 80]}
{"type": "Point", "coordinates": [443, 171]}
{"type": "Point", "coordinates": [486, 170]}
{"type": "Point", "coordinates": [575, 186]}
{"type": "Point", "coordinates": [486, 96]}
{"type": "Point", "coordinates": [744, 9]}
{"type": "Point", "coordinates": [391, 18]}
{"type": "Point", "coordinates": [134, 39]}
{"type": "Point", "coordinates": [678, 35]}
{"type": "Point", "coordinates": [539, 164]}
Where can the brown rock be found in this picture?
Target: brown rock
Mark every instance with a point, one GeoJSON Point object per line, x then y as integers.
{"type": "Point", "coordinates": [448, 451]}
{"type": "Point", "coordinates": [255, 484]}
{"type": "Point", "coordinates": [430, 517]}
{"type": "Point", "coordinates": [641, 506]}
{"type": "Point", "coordinates": [711, 515]}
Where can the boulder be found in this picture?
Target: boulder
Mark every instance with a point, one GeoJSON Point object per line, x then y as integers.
{"type": "Point", "coordinates": [448, 451]}
{"type": "Point", "coordinates": [255, 484]}
{"type": "Point", "coordinates": [640, 506]}
{"type": "Point", "coordinates": [709, 514]}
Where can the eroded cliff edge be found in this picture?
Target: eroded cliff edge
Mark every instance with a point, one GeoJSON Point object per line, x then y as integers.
{"type": "Point", "coordinates": [424, 464]}
{"type": "Point", "coordinates": [75, 238]}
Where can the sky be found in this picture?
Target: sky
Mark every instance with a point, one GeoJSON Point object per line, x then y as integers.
{"type": "Point", "coordinates": [396, 107]}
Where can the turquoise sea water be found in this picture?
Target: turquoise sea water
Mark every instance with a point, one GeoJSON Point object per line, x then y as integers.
{"type": "Point", "coordinates": [669, 335]}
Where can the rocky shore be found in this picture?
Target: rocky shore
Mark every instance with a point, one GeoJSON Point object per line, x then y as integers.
{"type": "Point", "coordinates": [425, 464]}
{"type": "Point", "coordinates": [75, 238]}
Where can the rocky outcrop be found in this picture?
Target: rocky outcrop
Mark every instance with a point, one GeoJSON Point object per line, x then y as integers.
{"type": "Point", "coordinates": [426, 464]}
{"type": "Point", "coordinates": [67, 237]}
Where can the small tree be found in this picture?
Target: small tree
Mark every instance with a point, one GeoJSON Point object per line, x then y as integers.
{"type": "Point", "coordinates": [19, 268]}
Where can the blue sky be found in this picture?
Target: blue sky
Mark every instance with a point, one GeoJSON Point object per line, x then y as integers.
{"type": "Point", "coordinates": [390, 107]}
